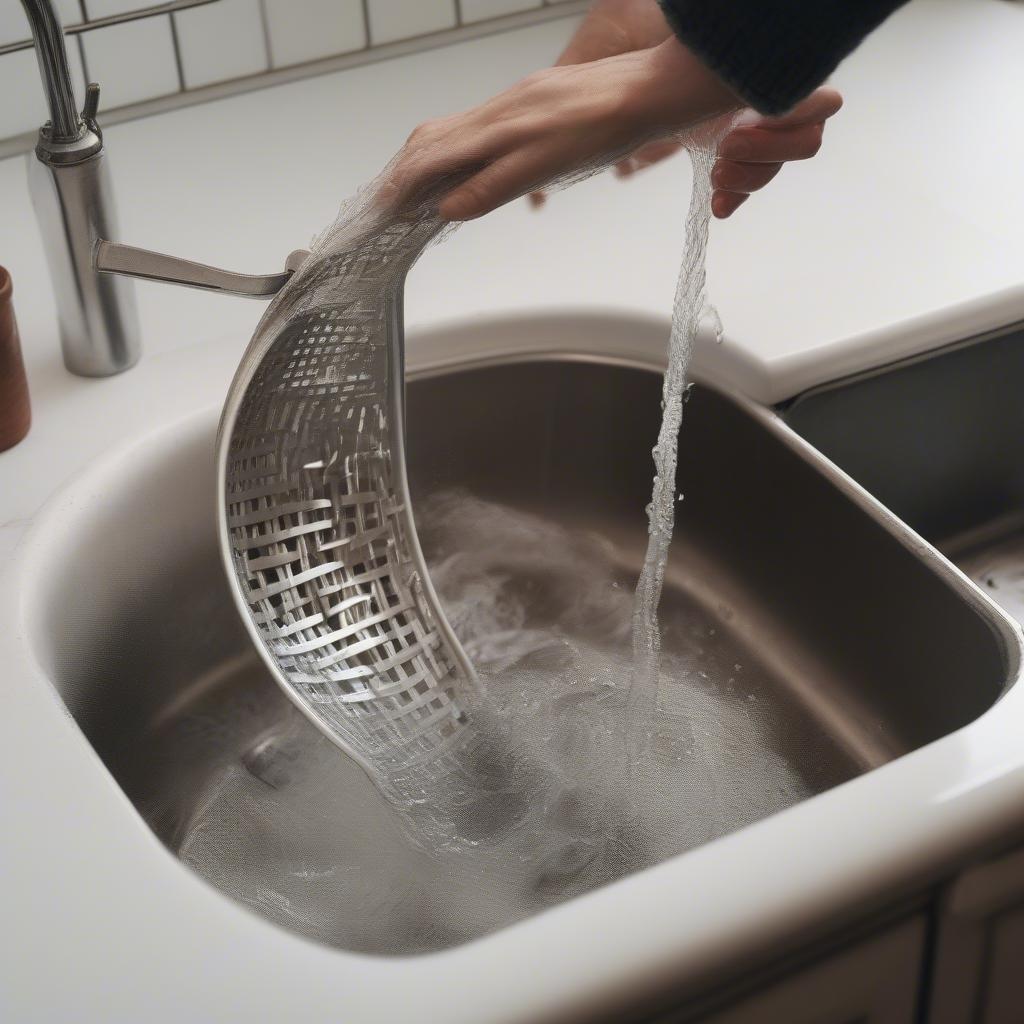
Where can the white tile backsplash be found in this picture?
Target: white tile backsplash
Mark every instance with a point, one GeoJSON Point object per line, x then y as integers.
{"type": "Point", "coordinates": [105, 8]}
{"type": "Point", "coordinates": [401, 19]}
{"type": "Point", "coordinates": [24, 106]}
{"type": "Point", "coordinates": [132, 62]}
{"type": "Point", "coordinates": [14, 24]}
{"type": "Point", "coordinates": [311, 29]}
{"type": "Point", "coordinates": [225, 41]}
{"type": "Point", "coordinates": [70, 11]}
{"type": "Point", "coordinates": [480, 10]}
{"type": "Point", "coordinates": [220, 41]}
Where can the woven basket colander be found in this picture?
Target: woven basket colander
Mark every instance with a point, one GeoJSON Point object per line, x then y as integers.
{"type": "Point", "coordinates": [313, 504]}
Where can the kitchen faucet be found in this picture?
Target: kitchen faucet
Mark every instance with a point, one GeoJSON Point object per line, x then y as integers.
{"type": "Point", "coordinates": [69, 182]}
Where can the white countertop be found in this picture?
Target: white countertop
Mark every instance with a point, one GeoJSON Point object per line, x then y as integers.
{"type": "Point", "coordinates": [907, 231]}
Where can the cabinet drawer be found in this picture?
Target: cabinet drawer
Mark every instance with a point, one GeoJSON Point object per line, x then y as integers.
{"type": "Point", "coordinates": [874, 981]}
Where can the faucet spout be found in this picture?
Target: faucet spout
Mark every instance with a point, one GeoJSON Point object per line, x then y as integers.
{"type": "Point", "coordinates": [53, 66]}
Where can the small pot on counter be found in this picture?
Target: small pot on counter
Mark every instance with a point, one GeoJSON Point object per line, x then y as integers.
{"type": "Point", "coordinates": [15, 412]}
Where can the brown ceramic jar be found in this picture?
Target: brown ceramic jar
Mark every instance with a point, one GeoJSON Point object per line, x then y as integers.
{"type": "Point", "coordinates": [15, 415]}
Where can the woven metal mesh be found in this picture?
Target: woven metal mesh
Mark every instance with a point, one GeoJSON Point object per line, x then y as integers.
{"type": "Point", "coordinates": [322, 548]}
{"type": "Point", "coordinates": [319, 533]}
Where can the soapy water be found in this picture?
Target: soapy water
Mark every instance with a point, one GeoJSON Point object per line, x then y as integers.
{"type": "Point", "coordinates": [293, 829]}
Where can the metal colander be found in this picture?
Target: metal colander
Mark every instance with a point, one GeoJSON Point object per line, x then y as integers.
{"type": "Point", "coordinates": [313, 503]}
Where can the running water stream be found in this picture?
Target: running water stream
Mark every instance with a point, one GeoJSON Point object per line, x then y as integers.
{"type": "Point", "coordinates": [687, 311]}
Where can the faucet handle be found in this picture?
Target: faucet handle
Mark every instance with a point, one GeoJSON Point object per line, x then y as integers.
{"type": "Point", "coordinates": [91, 106]}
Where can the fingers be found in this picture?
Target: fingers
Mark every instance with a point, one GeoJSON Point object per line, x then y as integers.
{"type": "Point", "coordinates": [733, 182]}
{"type": "Point", "coordinates": [755, 150]}
{"type": "Point", "coordinates": [762, 158]}
{"type": "Point", "coordinates": [794, 136]}
{"type": "Point", "coordinates": [751, 155]}
{"type": "Point", "coordinates": [772, 145]}
{"type": "Point", "coordinates": [731, 176]}
{"type": "Point", "coordinates": [724, 204]}
{"type": "Point", "coordinates": [819, 106]}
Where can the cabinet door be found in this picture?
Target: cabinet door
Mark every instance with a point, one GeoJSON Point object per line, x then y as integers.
{"type": "Point", "coordinates": [979, 956]}
{"type": "Point", "coordinates": [875, 981]}
{"type": "Point", "coordinates": [1004, 991]}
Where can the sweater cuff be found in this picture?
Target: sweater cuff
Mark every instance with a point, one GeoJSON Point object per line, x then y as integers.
{"type": "Point", "coordinates": [772, 55]}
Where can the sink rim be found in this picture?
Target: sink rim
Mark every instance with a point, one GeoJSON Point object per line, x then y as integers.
{"type": "Point", "coordinates": [782, 872]}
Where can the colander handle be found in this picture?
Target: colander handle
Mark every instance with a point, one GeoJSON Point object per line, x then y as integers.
{"type": "Point", "coordinates": [116, 258]}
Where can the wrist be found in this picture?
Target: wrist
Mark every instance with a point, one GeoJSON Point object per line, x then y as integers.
{"type": "Point", "coordinates": [679, 89]}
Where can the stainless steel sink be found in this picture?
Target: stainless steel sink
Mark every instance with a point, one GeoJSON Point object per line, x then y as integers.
{"type": "Point", "coordinates": [940, 441]}
{"type": "Point", "coordinates": [818, 631]}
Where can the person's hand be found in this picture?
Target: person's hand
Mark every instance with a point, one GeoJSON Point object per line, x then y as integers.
{"type": "Point", "coordinates": [558, 122]}
{"type": "Point", "coordinates": [756, 147]}
{"type": "Point", "coordinates": [611, 27]}
{"type": "Point", "coordinates": [619, 26]}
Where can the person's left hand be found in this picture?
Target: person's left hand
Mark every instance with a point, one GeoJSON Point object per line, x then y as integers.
{"type": "Point", "coordinates": [612, 27]}
{"type": "Point", "coordinates": [556, 125]}
{"type": "Point", "coordinates": [753, 152]}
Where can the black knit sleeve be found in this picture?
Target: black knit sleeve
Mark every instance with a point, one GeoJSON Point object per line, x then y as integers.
{"type": "Point", "coordinates": [774, 52]}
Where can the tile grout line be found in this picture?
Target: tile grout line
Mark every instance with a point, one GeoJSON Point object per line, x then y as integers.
{"type": "Point", "coordinates": [367, 41]}
{"type": "Point", "coordinates": [177, 54]}
{"type": "Point", "coordinates": [268, 47]}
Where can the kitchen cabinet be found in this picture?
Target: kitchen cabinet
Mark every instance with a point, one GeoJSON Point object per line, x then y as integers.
{"type": "Point", "coordinates": [875, 980]}
{"type": "Point", "coordinates": [979, 956]}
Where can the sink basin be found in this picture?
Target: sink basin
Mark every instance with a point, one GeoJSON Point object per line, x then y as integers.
{"type": "Point", "coordinates": [938, 439]}
{"type": "Point", "coordinates": [808, 631]}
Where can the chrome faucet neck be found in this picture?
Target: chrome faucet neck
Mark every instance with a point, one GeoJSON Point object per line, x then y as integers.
{"type": "Point", "coordinates": [69, 182]}
{"type": "Point", "coordinates": [70, 187]}
{"type": "Point", "coordinates": [65, 124]}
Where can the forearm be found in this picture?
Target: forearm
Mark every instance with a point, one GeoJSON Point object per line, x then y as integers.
{"type": "Point", "coordinates": [772, 53]}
